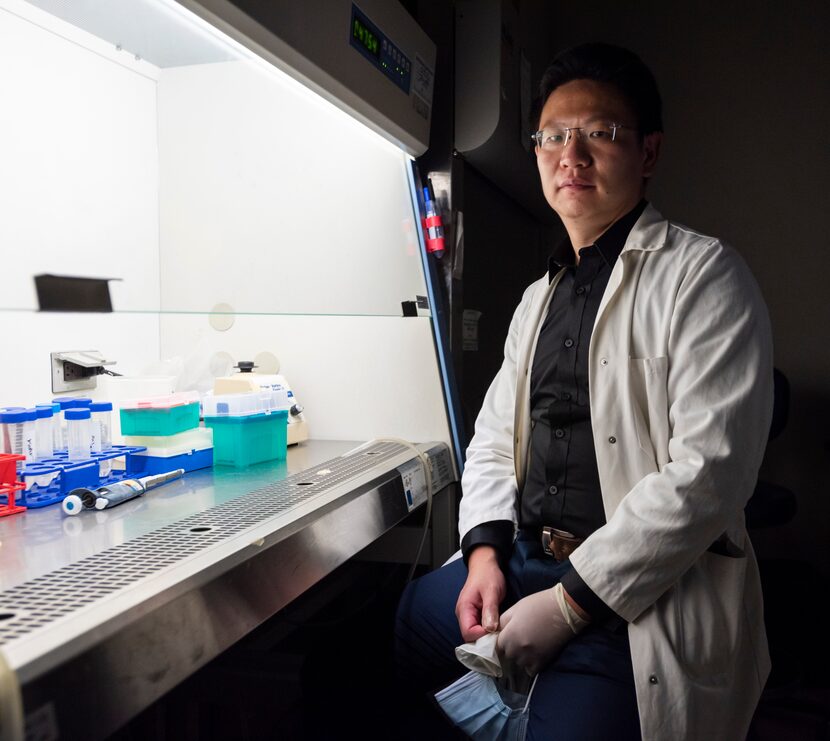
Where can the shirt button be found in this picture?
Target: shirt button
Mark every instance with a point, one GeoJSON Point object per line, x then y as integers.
{"type": "Point", "coordinates": [604, 361]}
{"type": "Point", "coordinates": [559, 432]}
{"type": "Point", "coordinates": [566, 396]}
{"type": "Point", "coordinates": [553, 489]}
{"type": "Point", "coordinates": [569, 342]}
{"type": "Point", "coordinates": [580, 290]}
{"type": "Point", "coordinates": [612, 439]}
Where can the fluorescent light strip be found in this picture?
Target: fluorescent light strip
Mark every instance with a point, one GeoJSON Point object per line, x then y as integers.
{"type": "Point", "coordinates": [206, 29]}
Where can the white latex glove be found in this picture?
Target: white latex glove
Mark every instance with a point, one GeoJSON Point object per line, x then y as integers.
{"type": "Point", "coordinates": [535, 629]}
{"type": "Point", "coordinates": [481, 656]}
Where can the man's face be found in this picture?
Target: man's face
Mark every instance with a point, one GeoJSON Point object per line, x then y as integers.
{"type": "Point", "coordinates": [591, 183]}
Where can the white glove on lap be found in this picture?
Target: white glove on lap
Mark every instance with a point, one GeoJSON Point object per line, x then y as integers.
{"type": "Point", "coordinates": [536, 628]}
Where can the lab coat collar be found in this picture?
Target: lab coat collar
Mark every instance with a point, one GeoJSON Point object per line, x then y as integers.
{"type": "Point", "coordinates": [609, 244]}
{"type": "Point", "coordinates": [649, 233]}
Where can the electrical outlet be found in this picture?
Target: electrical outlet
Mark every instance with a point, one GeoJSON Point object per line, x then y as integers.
{"type": "Point", "coordinates": [76, 370]}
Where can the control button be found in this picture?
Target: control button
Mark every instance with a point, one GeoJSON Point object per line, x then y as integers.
{"type": "Point", "coordinates": [569, 342]}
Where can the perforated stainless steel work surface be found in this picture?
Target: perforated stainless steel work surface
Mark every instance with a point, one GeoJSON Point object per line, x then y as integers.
{"type": "Point", "coordinates": [38, 602]}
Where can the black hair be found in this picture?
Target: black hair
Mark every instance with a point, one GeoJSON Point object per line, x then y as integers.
{"type": "Point", "coordinates": [609, 64]}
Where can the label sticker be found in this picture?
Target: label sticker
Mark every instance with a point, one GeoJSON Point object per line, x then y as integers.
{"type": "Point", "coordinates": [469, 330]}
{"type": "Point", "coordinates": [414, 483]}
{"type": "Point", "coordinates": [423, 82]}
{"type": "Point", "coordinates": [420, 106]}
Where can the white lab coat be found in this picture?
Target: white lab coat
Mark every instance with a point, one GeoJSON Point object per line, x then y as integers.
{"type": "Point", "coordinates": [680, 372]}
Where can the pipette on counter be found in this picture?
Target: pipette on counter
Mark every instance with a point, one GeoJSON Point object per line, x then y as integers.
{"type": "Point", "coordinates": [109, 496]}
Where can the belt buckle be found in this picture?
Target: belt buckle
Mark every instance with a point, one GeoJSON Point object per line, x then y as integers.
{"type": "Point", "coordinates": [559, 543]}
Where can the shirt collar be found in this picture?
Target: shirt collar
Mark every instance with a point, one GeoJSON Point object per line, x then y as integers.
{"type": "Point", "coordinates": [609, 244]}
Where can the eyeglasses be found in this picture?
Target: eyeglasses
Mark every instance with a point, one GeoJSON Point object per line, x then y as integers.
{"type": "Point", "coordinates": [595, 134]}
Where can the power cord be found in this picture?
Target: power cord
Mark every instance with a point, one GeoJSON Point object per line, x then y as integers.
{"type": "Point", "coordinates": [426, 462]}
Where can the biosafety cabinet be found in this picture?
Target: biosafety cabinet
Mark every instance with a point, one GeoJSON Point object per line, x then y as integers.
{"type": "Point", "coordinates": [239, 176]}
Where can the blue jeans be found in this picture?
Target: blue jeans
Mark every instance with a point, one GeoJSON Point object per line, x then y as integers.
{"type": "Point", "coordinates": [587, 692]}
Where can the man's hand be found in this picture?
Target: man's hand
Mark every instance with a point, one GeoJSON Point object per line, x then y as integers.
{"type": "Point", "coordinates": [477, 608]}
{"type": "Point", "coordinates": [536, 628]}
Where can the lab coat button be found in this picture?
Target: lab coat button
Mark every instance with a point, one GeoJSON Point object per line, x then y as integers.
{"type": "Point", "coordinates": [604, 361]}
{"type": "Point", "coordinates": [612, 439]}
{"type": "Point", "coordinates": [653, 679]}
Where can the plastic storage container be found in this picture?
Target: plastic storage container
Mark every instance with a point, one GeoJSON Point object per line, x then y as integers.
{"type": "Point", "coordinates": [44, 432]}
{"type": "Point", "coordinates": [243, 441]}
{"type": "Point", "coordinates": [57, 434]}
{"type": "Point", "coordinates": [190, 450]}
{"type": "Point", "coordinates": [247, 428]}
{"type": "Point", "coordinates": [240, 405]}
{"type": "Point", "coordinates": [160, 415]}
{"type": "Point", "coordinates": [78, 433]}
{"type": "Point", "coordinates": [17, 432]}
{"type": "Point", "coordinates": [101, 425]}
{"type": "Point", "coordinates": [101, 431]}
{"type": "Point", "coordinates": [65, 403]}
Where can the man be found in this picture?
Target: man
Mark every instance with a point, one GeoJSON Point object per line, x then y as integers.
{"type": "Point", "coordinates": [602, 513]}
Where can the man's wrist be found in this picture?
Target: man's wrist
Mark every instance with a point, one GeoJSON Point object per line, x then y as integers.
{"type": "Point", "coordinates": [575, 606]}
{"type": "Point", "coordinates": [574, 620]}
{"type": "Point", "coordinates": [481, 555]}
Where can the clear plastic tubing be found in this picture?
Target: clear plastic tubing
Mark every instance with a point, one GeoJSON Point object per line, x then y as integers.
{"type": "Point", "coordinates": [78, 433]}
{"type": "Point", "coordinates": [44, 435]}
{"type": "Point", "coordinates": [101, 425]}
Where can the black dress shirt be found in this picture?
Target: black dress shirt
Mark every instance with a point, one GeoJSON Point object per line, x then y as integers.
{"type": "Point", "coordinates": [562, 488]}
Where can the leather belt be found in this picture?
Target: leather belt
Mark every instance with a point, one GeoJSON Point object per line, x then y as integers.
{"type": "Point", "coordinates": [559, 543]}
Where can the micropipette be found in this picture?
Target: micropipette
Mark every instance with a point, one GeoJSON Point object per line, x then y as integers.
{"type": "Point", "coordinates": [109, 496]}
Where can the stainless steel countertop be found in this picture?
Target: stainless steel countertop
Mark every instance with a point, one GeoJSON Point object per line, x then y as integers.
{"type": "Point", "coordinates": [134, 599]}
{"type": "Point", "coordinates": [41, 540]}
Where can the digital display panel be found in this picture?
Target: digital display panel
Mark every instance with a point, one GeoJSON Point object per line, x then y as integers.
{"type": "Point", "coordinates": [363, 35]}
{"type": "Point", "coordinates": [379, 50]}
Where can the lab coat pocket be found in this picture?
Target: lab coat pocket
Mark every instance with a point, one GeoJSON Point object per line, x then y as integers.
{"type": "Point", "coordinates": [709, 616]}
{"type": "Point", "coordinates": [649, 398]}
